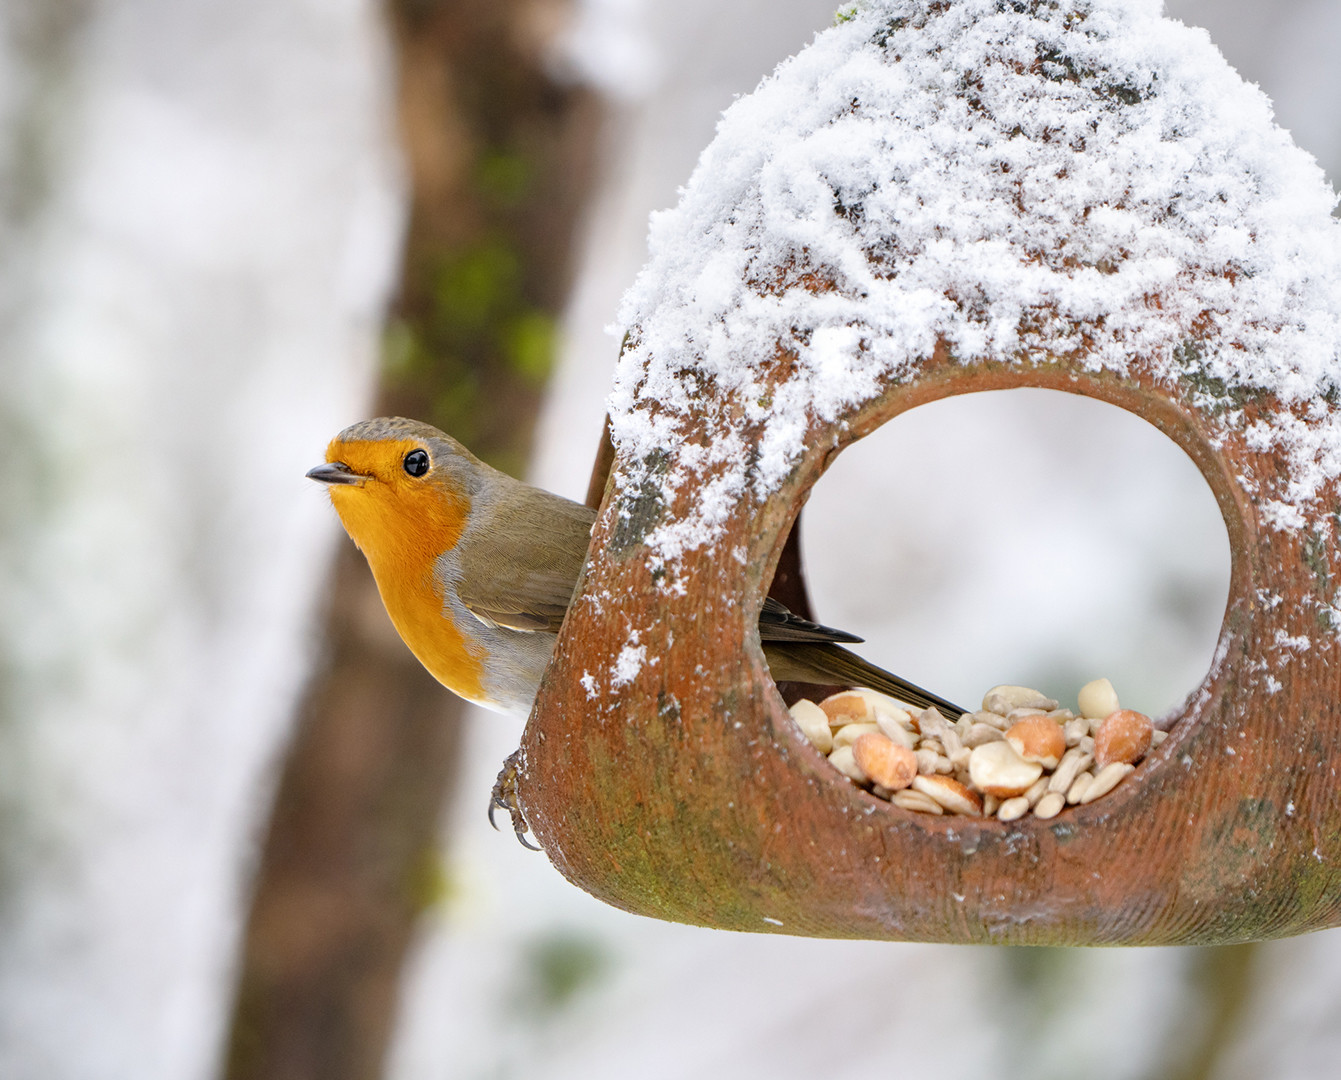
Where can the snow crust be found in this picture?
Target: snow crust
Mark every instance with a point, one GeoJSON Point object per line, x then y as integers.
{"type": "Point", "coordinates": [1020, 181]}
{"type": "Point", "coordinates": [630, 662]}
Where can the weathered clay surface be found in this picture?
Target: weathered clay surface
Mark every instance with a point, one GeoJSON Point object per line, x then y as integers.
{"type": "Point", "coordinates": [688, 794]}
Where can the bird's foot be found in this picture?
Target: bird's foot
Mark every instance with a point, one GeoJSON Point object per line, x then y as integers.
{"type": "Point", "coordinates": [504, 797]}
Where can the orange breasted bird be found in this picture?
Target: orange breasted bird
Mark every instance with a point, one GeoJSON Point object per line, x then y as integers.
{"type": "Point", "coordinates": [477, 569]}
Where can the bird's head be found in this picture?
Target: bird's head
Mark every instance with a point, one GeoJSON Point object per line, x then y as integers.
{"type": "Point", "coordinates": [402, 488]}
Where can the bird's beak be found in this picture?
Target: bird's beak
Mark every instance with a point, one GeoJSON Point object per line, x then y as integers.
{"type": "Point", "coordinates": [335, 472]}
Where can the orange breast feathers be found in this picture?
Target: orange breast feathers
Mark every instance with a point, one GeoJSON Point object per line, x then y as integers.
{"type": "Point", "coordinates": [402, 524]}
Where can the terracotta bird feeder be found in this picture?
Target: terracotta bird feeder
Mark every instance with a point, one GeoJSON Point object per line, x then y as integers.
{"type": "Point", "coordinates": [935, 199]}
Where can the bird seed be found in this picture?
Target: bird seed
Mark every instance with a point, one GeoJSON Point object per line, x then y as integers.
{"type": "Point", "coordinates": [1019, 754]}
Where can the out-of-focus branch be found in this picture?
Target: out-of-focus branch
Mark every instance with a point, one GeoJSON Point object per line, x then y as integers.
{"type": "Point", "coordinates": [500, 158]}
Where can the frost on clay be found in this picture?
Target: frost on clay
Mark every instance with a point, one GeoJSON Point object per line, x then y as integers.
{"type": "Point", "coordinates": [630, 662]}
{"type": "Point", "coordinates": [1016, 182]}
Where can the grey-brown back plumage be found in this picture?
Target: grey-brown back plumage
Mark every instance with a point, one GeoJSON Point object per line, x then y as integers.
{"type": "Point", "coordinates": [521, 572]}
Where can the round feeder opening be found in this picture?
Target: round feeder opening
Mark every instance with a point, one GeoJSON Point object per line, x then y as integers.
{"type": "Point", "coordinates": [1028, 536]}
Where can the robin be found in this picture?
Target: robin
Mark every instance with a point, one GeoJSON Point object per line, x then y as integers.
{"type": "Point", "coordinates": [477, 569]}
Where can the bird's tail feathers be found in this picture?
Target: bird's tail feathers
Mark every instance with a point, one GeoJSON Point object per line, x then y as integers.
{"type": "Point", "coordinates": [834, 665]}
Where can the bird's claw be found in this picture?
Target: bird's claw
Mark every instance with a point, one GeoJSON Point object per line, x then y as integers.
{"type": "Point", "coordinates": [504, 797]}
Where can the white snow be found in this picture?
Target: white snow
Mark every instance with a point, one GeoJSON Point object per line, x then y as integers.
{"type": "Point", "coordinates": [1084, 180]}
{"type": "Point", "coordinates": [628, 664]}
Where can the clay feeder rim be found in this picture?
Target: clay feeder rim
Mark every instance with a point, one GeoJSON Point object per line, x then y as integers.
{"type": "Point", "coordinates": [1161, 413]}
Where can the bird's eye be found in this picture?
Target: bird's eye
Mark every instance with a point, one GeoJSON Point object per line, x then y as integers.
{"type": "Point", "coordinates": [416, 462]}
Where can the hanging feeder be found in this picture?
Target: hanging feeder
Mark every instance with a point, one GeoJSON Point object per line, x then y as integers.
{"type": "Point", "coordinates": [935, 199]}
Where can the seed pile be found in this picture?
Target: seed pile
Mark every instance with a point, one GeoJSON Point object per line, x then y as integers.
{"type": "Point", "coordinates": [1019, 753]}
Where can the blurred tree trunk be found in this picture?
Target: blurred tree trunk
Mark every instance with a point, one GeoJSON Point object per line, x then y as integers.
{"type": "Point", "coordinates": [500, 159]}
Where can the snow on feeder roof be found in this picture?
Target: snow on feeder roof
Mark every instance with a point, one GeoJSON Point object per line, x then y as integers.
{"type": "Point", "coordinates": [936, 198]}
{"type": "Point", "coordinates": [1020, 182]}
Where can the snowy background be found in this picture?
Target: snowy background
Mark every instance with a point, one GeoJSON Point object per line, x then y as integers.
{"type": "Point", "coordinates": [200, 212]}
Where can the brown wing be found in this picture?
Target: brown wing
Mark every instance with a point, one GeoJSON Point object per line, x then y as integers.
{"type": "Point", "coordinates": [521, 572]}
